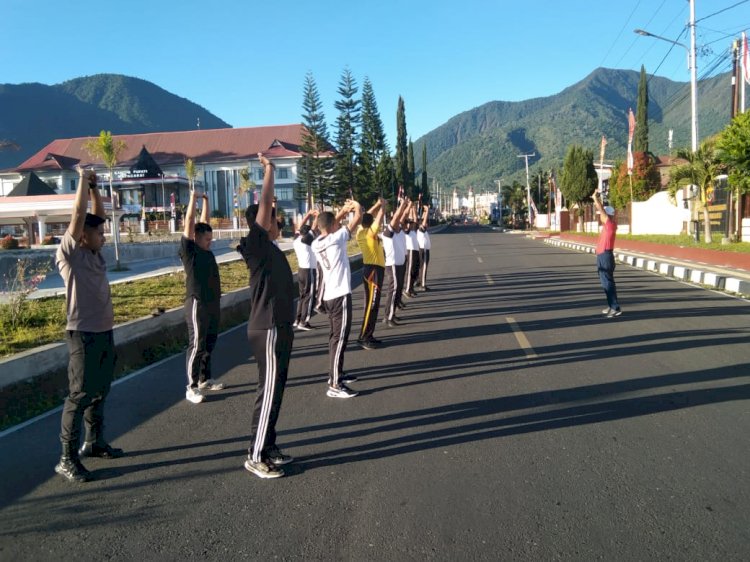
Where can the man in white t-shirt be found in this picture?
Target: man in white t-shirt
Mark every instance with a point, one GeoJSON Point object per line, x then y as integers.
{"type": "Point", "coordinates": [400, 252]}
{"type": "Point", "coordinates": [306, 271]}
{"type": "Point", "coordinates": [330, 251]}
{"type": "Point", "coordinates": [394, 260]}
{"type": "Point", "coordinates": [423, 239]}
{"type": "Point", "coordinates": [412, 255]}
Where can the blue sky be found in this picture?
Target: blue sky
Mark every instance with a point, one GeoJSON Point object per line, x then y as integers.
{"type": "Point", "coordinates": [246, 61]}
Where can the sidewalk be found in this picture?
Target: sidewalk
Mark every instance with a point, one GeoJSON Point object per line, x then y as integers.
{"type": "Point", "coordinates": [708, 269]}
{"type": "Point", "coordinates": [53, 284]}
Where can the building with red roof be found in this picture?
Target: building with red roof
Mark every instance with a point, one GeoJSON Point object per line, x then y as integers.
{"type": "Point", "coordinates": [150, 175]}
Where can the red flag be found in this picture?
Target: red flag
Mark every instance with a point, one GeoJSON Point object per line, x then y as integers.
{"type": "Point", "coordinates": [631, 130]}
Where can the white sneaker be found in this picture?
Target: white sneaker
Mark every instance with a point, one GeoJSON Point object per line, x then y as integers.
{"type": "Point", "coordinates": [210, 384]}
{"type": "Point", "coordinates": [194, 395]}
{"type": "Point", "coordinates": [606, 310]}
{"type": "Point", "coordinates": [342, 391]}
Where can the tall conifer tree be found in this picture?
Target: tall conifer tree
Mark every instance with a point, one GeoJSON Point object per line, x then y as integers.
{"type": "Point", "coordinates": [346, 138]}
{"type": "Point", "coordinates": [372, 147]}
{"type": "Point", "coordinates": [424, 185]}
{"type": "Point", "coordinates": [314, 169]}
{"type": "Point", "coordinates": [640, 142]}
{"type": "Point", "coordinates": [402, 157]}
{"type": "Point", "coordinates": [412, 173]}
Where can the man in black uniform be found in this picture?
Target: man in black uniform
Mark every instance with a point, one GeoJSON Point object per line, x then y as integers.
{"type": "Point", "coordinates": [269, 328]}
{"type": "Point", "coordinates": [202, 308]}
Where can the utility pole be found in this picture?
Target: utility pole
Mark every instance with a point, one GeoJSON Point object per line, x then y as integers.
{"type": "Point", "coordinates": [528, 188]}
{"type": "Point", "coordinates": [693, 81]}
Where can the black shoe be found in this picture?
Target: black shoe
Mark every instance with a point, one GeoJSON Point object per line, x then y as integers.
{"type": "Point", "coordinates": [346, 379]}
{"type": "Point", "coordinates": [364, 344]}
{"type": "Point", "coordinates": [100, 451]}
{"type": "Point", "coordinates": [70, 466]}
{"type": "Point", "coordinates": [401, 305]}
{"type": "Point", "coordinates": [376, 341]}
{"type": "Point", "coordinates": [306, 327]}
{"type": "Point", "coordinates": [277, 458]}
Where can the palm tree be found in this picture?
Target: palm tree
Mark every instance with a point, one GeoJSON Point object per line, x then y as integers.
{"type": "Point", "coordinates": [107, 149]}
{"type": "Point", "coordinates": [701, 168]}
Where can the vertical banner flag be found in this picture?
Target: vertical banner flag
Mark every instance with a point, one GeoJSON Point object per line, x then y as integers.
{"type": "Point", "coordinates": [745, 58]}
{"type": "Point", "coordinates": [601, 151]}
{"type": "Point", "coordinates": [631, 130]}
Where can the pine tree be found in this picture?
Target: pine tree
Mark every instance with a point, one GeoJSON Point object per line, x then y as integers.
{"type": "Point", "coordinates": [346, 139]}
{"type": "Point", "coordinates": [402, 163]}
{"type": "Point", "coordinates": [578, 179]}
{"type": "Point", "coordinates": [640, 142]}
{"type": "Point", "coordinates": [372, 147]}
{"type": "Point", "coordinates": [314, 169]}
{"type": "Point", "coordinates": [410, 182]}
{"type": "Point", "coordinates": [424, 185]}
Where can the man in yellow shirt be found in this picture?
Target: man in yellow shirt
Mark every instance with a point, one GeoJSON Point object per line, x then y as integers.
{"type": "Point", "coordinates": [373, 260]}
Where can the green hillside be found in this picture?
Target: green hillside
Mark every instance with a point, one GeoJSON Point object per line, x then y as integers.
{"type": "Point", "coordinates": [482, 145]}
{"type": "Point", "coordinates": [32, 115]}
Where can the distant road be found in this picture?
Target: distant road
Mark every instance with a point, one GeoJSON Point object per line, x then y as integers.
{"type": "Point", "coordinates": [506, 419]}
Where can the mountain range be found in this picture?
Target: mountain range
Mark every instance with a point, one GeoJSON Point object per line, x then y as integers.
{"type": "Point", "coordinates": [482, 145]}
{"type": "Point", "coordinates": [32, 115]}
{"type": "Point", "coordinates": [474, 148]}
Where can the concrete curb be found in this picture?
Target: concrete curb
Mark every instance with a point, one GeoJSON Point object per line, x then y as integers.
{"type": "Point", "coordinates": [692, 274]}
{"type": "Point", "coordinates": [131, 338]}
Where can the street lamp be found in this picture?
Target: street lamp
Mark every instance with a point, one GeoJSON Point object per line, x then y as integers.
{"type": "Point", "coordinates": [693, 72]}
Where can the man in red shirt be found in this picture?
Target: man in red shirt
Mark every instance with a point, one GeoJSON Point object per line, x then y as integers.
{"type": "Point", "coordinates": [605, 258]}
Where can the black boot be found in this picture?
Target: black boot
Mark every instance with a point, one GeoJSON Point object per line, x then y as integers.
{"type": "Point", "coordinates": [70, 467]}
{"type": "Point", "coordinates": [103, 451]}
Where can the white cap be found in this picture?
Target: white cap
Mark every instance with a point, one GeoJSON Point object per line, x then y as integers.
{"type": "Point", "coordinates": [609, 210]}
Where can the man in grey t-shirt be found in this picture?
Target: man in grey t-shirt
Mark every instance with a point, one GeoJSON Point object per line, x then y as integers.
{"type": "Point", "coordinates": [88, 333]}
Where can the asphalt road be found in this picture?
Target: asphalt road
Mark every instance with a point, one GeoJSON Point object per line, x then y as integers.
{"type": "Point", "coordinates": [506, 419]}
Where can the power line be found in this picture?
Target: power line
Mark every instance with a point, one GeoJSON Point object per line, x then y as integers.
{"type": "Point", "coordinates": [621, 30]}
{"type": "Point", "coordinates": [617, 64]}
{"type": "Point", "coordinates": [721, 11]}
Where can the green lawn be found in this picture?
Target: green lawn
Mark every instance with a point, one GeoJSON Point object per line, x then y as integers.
{"type": "Point", "coordinates": [681, 240]}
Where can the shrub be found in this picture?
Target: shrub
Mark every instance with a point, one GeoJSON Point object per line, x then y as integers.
{"type": "Point", "coordinates": [8, 243]}
{"type": "Point", "coordinates": [50, 240]}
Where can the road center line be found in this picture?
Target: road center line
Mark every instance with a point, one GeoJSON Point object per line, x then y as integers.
{"type": "Point", "coordinates": [479, 259]}
{"type": "Point", "coordinates": [475, 250]}
{"type": "Point", "coordinates": [489, 279]}
{"type": "Point", "coordinates": [521, 338]}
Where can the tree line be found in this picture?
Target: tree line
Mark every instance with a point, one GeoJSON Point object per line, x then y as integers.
{"type": "Point", "coordinates": [357, 161]}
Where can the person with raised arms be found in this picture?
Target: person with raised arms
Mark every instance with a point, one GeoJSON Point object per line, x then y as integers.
{"type": "Point", "coordinates": [269, 327]}
{"type": "Point", "coordinates": [373, 269]}
{"type": "Point", "coordinates": [394, 262]}
{"type": "Point", "coordinates": [88, 332]}
{"type": "Point", "coordinates": [202, 303]}
{"type": "Point", "coordinates": [306, 270]}
{"type": "Point", "coordinates": [330, 249]}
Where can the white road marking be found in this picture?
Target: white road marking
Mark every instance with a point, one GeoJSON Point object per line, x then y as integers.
{"type": "Point", "coordinates": [479, 259]}
{"type": "Point", "coordinates": [489, 279]}
{"type": "Point", "coordinates": [521, 338]}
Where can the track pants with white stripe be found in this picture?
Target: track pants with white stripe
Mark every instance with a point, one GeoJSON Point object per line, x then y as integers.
{"type": "Point", "coordinates": [424, 261]}
{"type": "Point", "coordinates": [272, 349]}
{"type": "Point", "coordinates": [372, 276]}
{"type": "Point", "coordinates": [340, 318]}
{"type": "Point", "coordinates": [203, 328]}
{"type": "Point", "coordinates": [412, 270]}
{"type": "Point", "coordinates": [392, 290]}
{"type": "Point", "coordinates": [319, 302]}
{"type": "Point", "coordinates": [307, 282]}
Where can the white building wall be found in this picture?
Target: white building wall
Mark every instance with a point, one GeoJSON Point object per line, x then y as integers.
{"type": "Point", "coordinates": [659, 215]}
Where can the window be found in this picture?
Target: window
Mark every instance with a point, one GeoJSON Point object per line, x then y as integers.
{"type": "Point", "coordinates": [284, 193]}
{"type": "Point", "coordinates": [258, 174]}
{"type": "Point", "coordinates": [282, 173]}
{"type": "Point", "coordinates": [72, 185]}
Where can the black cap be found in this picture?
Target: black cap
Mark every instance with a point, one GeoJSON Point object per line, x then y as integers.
{"type": "Point", "coordinates": [93, 220]}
